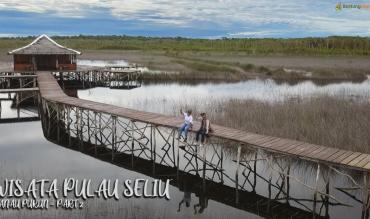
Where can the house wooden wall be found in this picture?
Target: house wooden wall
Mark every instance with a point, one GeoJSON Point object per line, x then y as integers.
{"type": "Point", "coordinates": [44, 62]}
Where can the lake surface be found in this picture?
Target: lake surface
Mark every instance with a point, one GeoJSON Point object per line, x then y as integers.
{"type": "Point", "coordinates": [161, 97]}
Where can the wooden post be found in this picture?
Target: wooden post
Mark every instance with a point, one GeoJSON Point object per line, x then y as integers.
{"type": "Point", "coordinates": [287, 183]}
{"type": "Point", "coordinates": [61, 77]}
{"type": "Point", "coordinates": [327, 204]}
{"type": "Point", "coordinates": [20, 83]}
{"type": "Point", "coordinates": [58, 122]}
{"type": "Point", "coordinates": [151, 142]}
{"type": "Point", "coordinates": [178, 155]}
{"type": "Point", "coordinates": [196, 160]}
{"type": "Point", "coordinates": [81, 129]}
{"type": "Point", "coordinates": [95, 134]}
{"type": "Point", "coordinates": [154, 148]}
{"type": "Point", "coordinates": [315, 194]}
{"type": "Point", "coordinates": [222, 166]}
{"type": "Point", "coordinates": [78, 128]}
{"type": "Point", "coordinates": [132, 143]}
{"type": "Point", "coordinates": [255, 172]}
{"type": "Point", "coordinates": [88, 127]}
{"type": "Point", "coordinates": [17, 105]}
{"type": "Point", "coordinates": [204, 164]}
{"type": "Point", "coordinates": [237, 175]}
{"type": "Point", "coordinates": [114, 129]}
{"type": "Point", "coordinates": [365, 197]}
{"type": "Point", "coordinates": [173, 145]}
{"type": "Point", "coordinates": [69, 125]}
{"type": "Point", "coordinates": [269, 185]}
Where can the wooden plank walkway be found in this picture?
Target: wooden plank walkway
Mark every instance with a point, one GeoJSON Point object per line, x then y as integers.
{"type": "Point", "coordinates": [51, 91]}
{"type": "Point", "coordinates": [18, 76]}
{"type": "Point", "coordinates": [19, 90]}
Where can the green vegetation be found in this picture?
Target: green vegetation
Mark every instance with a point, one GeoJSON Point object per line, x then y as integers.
{"type": "Point", "coordinates": [324, 120]}
{"type": "Point", "coordinates": [335, 45]}
{"type": "Point", "coordinates": [207, 66]}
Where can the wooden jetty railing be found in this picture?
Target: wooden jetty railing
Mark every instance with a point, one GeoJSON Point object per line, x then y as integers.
{"type": "Point", "coordinates": [124, 78]}
{"type": "Point", "coordinates": [124, 130]}
{"type": "Point", "coordinates": [50, 91]}
{"type": "Point", "coordinates": [24, 87]}
{"type": "Point", "coordinates": [112, 131]}
{"type": "Point", "coordinates": [206, 188]}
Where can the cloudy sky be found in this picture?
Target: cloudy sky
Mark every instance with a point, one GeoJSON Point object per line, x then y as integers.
{"type": "Point", "coordinates": [186, 18]}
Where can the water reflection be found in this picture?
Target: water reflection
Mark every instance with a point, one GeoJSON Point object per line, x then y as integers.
{"type": "Point", "coordinates": [32, 156]}
{"type": "Point", "coordinates": [101, 63]}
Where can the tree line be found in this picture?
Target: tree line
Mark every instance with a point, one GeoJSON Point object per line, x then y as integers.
{"type": "Point", "coordinates": [334, 45]}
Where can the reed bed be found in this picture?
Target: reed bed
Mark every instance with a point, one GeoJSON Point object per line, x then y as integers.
{"type": "Point", "coordinates": [333, 121]}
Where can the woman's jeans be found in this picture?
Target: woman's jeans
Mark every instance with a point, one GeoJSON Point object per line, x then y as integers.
{"type": "Point", "coordinates": [184, 128]}
{"type": "Point", "coordinates": [201, 133]}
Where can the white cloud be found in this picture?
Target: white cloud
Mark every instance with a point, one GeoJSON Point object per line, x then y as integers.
{"type": "Point", "coordinates": [263, 33]}
{"type": "Point", "coordinates": [308, 15]}
{"type": "Point", "coordinates": [8, 35]}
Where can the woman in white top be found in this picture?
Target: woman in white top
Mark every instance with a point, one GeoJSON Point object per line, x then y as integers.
{"type": "Point", "coordinates": [188, 122]}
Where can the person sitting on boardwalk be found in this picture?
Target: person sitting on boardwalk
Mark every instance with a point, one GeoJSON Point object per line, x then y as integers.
{"type": "Point", "coordinates": [187, 124]}
{"type": "Point", "coordinates": [204, 129]}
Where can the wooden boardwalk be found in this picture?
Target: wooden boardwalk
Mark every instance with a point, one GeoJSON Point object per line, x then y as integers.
{"type": "Point", "coordinates": [17, 76]}
{"type": "Point", "coordinates": [19, 90]}
{"type": "Point", "coordinates": [51, 91]}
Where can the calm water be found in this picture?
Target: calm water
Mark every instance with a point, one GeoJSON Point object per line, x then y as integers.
{"type": "Point", "coordinates": [162, 97]}
{"type": "Point", "coordinates": [32, 156]}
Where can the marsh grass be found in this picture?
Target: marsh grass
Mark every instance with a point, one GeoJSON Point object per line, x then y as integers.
{"type": "Point", "coordinates": [338, 122]}
{"type": "Point", "coordinates": [203, 69]}
{"type": "Point", "coordinates": [326, 120]}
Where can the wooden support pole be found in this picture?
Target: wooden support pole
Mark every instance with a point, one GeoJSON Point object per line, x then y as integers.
{"type": "Point", "coordinates": [204, 165]}
{"type": "Point", "coordinates": [196, 159]}
{"type": "Point", "coordinates": [95, 134]}
{"type": "Point", "coordinates": [287, 182]}
{"type": "Point", "coordinates": [151, 142]}
{"type": "Point", "coordinates": [315, 193]}
{"type": "Point", "coordinates": [269, 185]}
{"type": "Point", "coordinates": [17, 105]}
{"type": "Point", "coordinates": [69, 125]}
{"type": "Point", "coordinates": [78, 128]}
{"type": "Point", "coordinates": [327, 199]}
{"type": "Point", "coordinates": [222, 166]}
{"type": "Point", "coordinates": [114, 130]}
{"type": "Point", "coordinates": [237, 175]}
{"type": "Point", "coordinates": [255, 172]}
{"type": "Point", "coordinates": [173, 145]}
{"type": "Point", "coordinates": [365, 197]}
{"type": "Point", "coordinates": [81, 129]}
{"type": "Point", "coordinates": [88, 127]}
{"type": "Point", "coordinates": [57, 108]}
{"type": "Point", "coordinates": [178, 155]}
{"type": "Point", "coordinates": [132, 143]}
{"type": "Point", "coordinates": [154, 147]}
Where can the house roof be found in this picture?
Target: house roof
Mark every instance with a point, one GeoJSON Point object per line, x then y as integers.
{"type": "Point", "coordinates": [43, 45]}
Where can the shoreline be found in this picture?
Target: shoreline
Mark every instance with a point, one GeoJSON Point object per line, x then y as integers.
{"type": "Point", "coordinates": [230, 67]}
